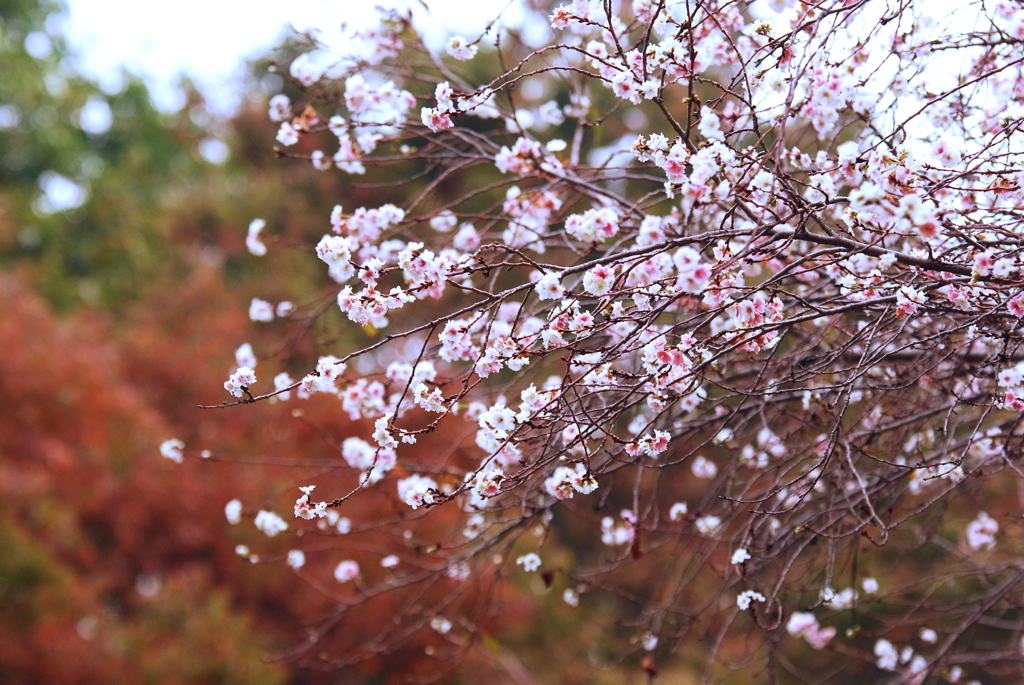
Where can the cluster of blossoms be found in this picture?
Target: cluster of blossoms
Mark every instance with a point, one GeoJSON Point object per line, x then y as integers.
{"type": "Point", "coordinates": [306, 509]}
{"type": "Point", "coordinates": [1013, 380]}
{"type": "Point", "coordinates": [981, 532]}
{"type": "Point", "coordinates": [439, 118]}
{"type": "Point", "coordinates": [792, 298]}
{"type": "Point", "coordinates": [806, 626]}
{"type": "Point", "coordinates": [747, 597]}
{"type": "Point", "coordinates": [566, 481]}
{"type": "Point", "coordinates": [172, 449]}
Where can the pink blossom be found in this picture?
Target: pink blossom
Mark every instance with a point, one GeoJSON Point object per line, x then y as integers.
{"type": "Point", "coordinates": [960, 298]}
{"type": "Point", "coordinates": [674, 163]}
{"type": "Point", "coordinates": [561, 17]}
{"type": "Point", "coordinates": [599, 280]}
{"type": "Point", "coordinates": [806, 625]}
{"type": "Point", "coordinates": [287, 135]}
{"type": "Point", "coordinates": [983, 263]}
{"type": "Point", "coordinates": [467, 238]}
{"type": "Point", "coordinates": [907, 301]}
{"type": "Point", "coordinates": [417, 491]}
{"type": "Point", "coordinates": [521, 158]}
{"type": "Point", "coordinates": [1016, 305]}
{"type": "Point", "coordinates": [436, 120]}
{"type": "Point", "coordinates": [1014, 400]}
{"type": "Point", "coordinates": [240, 381]}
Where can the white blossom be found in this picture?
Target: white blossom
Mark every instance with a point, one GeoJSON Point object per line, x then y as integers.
{"type": "Point", "coordinates": [240, 380]}
{"type": "Point", "coordinates": [458, 48]}
{"type": "Point", "coordinates": [744, 599]}
{"type": "Point", "coordinates": [261, 310]}
{"type": "Point", "coordinates": [172, 449]}
{"type": "Point", "coordinates": [441, 624]}
{"type": "Point", "coordinates": [233, 511]}
{"type": "Point", "coordinates": [981, 532]}
{"type": "Point", "coordinates": [269, 523]}
{"type": "Point", "coordinates": [888, 657]}
{"type": "Point", "coordinates": [244, 356]}
{"type": "Point", "coordinates": [280, 108]}
{"type": "Point", "coordinates": [252, 240]}
{"type": "Point", "coordinates": [346, 571]}
{"type": "Point", "coordinates": [296, 559]}
{"type": "Point", "coordinates": [530, 562]}
{"type": "Point", "coordinates": [708, 525]}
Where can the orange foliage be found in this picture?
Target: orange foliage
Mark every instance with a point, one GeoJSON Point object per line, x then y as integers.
{"type": "Point", "coordinates": [118, 565]}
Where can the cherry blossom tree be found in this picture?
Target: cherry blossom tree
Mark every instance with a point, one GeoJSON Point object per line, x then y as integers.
{"type": "Point", "coordinates": [706, 314]}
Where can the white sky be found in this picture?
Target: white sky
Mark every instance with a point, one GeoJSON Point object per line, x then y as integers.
{"type": "Point", "coordinates": [209, 40]}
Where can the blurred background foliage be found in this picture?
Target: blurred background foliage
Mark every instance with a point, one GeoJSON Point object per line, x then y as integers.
{"type": "Point", "coordinates": [123, 291]}
{"type": "Point", "coordinates": [124, 287]}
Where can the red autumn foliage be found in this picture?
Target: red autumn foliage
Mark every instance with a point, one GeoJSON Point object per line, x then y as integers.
{"type": "Point", "coordinates": [117, 564]}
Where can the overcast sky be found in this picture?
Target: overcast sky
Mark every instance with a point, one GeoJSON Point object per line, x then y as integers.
{"type": "Point", "coordinates": [209, 40]}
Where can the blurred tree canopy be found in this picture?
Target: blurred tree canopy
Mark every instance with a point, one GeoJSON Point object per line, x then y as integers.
{"type": "Point", "coordinates": [83, 173]}
{"type": "Point", "coordinates": [102, 194]}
